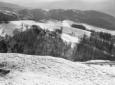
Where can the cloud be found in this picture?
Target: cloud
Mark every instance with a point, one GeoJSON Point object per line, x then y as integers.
{"type": "Point", "coordinates": [95, 1]}
{"type": "Point", "coordinates": [23, 1]}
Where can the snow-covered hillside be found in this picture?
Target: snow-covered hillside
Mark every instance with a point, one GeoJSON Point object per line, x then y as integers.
{"type": "Point", "coordinates": [51, 25]}
{"type": "Point", "coordinates": [70, 39]}
{"type": "Point", "coordinates": [23, 25]}
{"type": "Point", "coordinates": [7, 12]}
{"type": "Point", "coordinates": [47, 70]}
{"type": "Point", "coordinates": [97, 29]}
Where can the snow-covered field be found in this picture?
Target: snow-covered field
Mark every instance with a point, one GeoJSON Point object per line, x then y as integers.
{"type": "Point", "coordinates": [47, 70]}
{"type": "Point", "coordinates": [50, 25]}
{"type": "Point", "coordinates": [97, 29]}
{"type": "Point", "coordinates": [70, 34]}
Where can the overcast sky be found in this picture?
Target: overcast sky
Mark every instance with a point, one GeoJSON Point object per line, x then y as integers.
{"type": "Point", "coordinates": [101, 5]}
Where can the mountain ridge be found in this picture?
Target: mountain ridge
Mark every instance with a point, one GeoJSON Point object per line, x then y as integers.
{"type": "Point", "coordinates": [91, 17]}
{"type": "Point", "coordinates": [95, 18]}
{"type": "Point", "coordinates": [10, 6]}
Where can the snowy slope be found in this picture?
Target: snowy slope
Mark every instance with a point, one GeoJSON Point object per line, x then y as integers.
{"type": "Point", "coordinates": [8, 12]}
{"type": "Point", "coordinates": [68, 23]}
{"type": "Point", "coordinates": [70, 39]}
{"type": "Point", "coordinates": [97, 29]}
{"type": "Point", "coordinates": [69, 33]}
{"type": "Point", "coordinates": [50, 25]}
{"type": "Point", "coordinates": [47, 70]}
{"type": "Point", "coordinates": [23, 25]}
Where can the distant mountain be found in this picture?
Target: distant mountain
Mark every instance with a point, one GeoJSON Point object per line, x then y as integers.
{"type": "Point", "coordinates": [9, 6]}
{"type": "Point", "coordinates": [94, 18]}
{"type": "Point", "coordinates": [9, 12]}
{"type": "Point", "coordinates": [98, 19]}
{"type": "Point", "coordinates": [90, 17]}
{"type": "Point", "coordinates": [7, 16]}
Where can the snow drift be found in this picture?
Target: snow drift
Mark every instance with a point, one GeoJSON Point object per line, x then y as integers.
{"type": "Point", "coordinates": [47, 70]}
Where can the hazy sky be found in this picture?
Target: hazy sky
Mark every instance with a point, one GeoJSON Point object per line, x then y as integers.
{"type": "Point", "coordinates": [101, 5]}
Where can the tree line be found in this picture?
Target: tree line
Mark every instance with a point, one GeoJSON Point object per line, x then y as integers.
{"type": "Point", "coordinates": [98, 46]}
{"type": "Point", "coordinates": [37, 41]}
